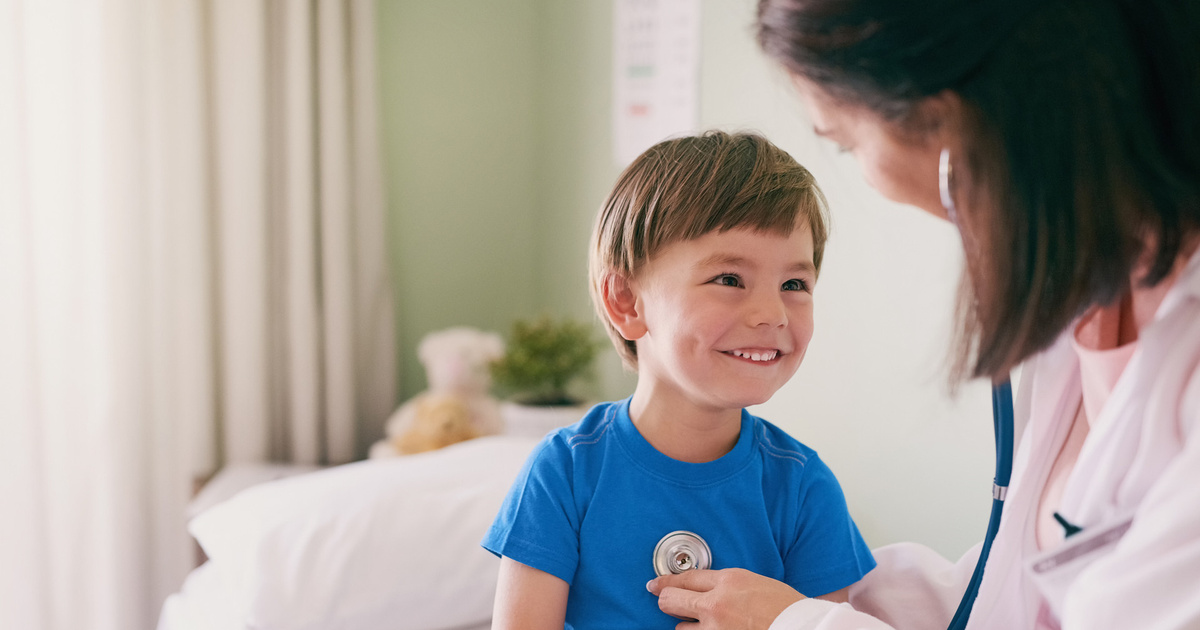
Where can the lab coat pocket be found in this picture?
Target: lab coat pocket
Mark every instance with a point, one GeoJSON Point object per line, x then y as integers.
{"type": "Point", "coordinates": [1055, 570]}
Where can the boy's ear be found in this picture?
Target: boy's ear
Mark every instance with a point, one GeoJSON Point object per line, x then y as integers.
{"type": "Point", "coordinates": [623, 307]}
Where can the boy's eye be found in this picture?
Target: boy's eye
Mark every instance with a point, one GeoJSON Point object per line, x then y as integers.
{"type": "Point", "coordinates": [728, 280]}
{"type": "Point", "coordinates": [795, 284]}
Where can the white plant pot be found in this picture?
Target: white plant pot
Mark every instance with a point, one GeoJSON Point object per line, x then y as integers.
{"type": "Point", "coordinates": [537, 421]}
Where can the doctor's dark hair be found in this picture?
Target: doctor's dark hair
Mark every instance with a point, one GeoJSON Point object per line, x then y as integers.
{"type": "Point", "coordinates": [1080, 131]}
{"type": "Point", "coordinates": [684, 188]}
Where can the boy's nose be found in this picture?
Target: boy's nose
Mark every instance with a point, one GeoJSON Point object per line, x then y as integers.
{"type": "Point", "coordinates": [767, 309]}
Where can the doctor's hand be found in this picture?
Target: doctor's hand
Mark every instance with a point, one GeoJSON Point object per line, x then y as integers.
{"type": "Point", "coordinates": [729, 599]}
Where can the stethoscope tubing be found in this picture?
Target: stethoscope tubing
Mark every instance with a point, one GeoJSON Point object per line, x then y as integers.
{"type": "Point", "coordinates": [1002, 423]}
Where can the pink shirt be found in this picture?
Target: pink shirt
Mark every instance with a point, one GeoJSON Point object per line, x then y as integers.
{"type": "Point", "coordinates": [1098, 369]}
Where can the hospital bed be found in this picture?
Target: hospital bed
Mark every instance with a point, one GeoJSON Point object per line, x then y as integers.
{"type": "Point", "coordinates": [373, 545]}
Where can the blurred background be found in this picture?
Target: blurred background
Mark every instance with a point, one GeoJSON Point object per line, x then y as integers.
{"type": "Point", "coordinates": [226, 224]}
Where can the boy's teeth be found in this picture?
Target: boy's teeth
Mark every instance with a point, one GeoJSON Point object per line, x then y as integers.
{"type": "Point", "coordinates": [756, 356]}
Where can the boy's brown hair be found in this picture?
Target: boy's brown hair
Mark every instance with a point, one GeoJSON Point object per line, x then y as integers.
{"type": "Point", "coordinates": [684, 188]}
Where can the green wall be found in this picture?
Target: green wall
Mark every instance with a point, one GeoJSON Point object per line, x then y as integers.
{"type": "Point", "coordinates": [497, 155]}
{"type": "Point", "coordinates": [458, 85]}
{"type": "Point", "coordinates": [576, 166]}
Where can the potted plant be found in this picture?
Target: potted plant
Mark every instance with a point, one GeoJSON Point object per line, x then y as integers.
{"type": "Point", "coordinates": [543, 358]}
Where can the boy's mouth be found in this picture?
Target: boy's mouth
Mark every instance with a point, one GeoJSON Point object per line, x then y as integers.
{"type": "Point", "coordinates": [761, 356]}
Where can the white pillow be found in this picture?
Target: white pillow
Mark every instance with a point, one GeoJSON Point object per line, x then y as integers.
{"type": "Point", "coordinates": [207, 601]}
{"type": "Point", "coordinates": [390, 543]}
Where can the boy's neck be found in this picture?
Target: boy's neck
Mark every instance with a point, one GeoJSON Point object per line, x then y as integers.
{"type": "Point", "coordinates": [684, 432]}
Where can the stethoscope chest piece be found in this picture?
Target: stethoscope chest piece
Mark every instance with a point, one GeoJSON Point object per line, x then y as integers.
{"type": "Point", "coordinates": [681, 551]}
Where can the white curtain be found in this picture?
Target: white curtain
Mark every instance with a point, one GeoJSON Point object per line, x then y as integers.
{"type": "Point", "coordinates": [192, 272]}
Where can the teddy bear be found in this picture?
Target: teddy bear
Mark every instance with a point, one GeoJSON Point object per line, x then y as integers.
{"type": "Point", "coordinates": [456, 406]}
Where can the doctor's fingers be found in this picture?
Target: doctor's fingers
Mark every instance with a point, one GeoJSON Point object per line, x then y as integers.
{"type": "Point", "coordinates": [695, 580]}
{"type": "Point", "coordinates": [729, 599]}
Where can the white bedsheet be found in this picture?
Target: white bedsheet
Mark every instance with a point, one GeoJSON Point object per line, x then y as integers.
{"type": "Point", "coordinates": [204, 604]}
{"type": "Point", "coordinates": [376, 545]}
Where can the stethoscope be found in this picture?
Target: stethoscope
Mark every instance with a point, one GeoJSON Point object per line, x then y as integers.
{"type": "Point", "coordinates": [1002, 422]}
{"type": "Point", "coordinates": [681, 551]}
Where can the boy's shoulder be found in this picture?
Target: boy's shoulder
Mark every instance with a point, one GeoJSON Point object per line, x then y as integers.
{"type": "Point", "coordinates": [580, 448]}
{"type": "Point", "coordinates": [776, 444]}
{"type": "Point", "coordinates": [789, 463]}
{"type": "Point", "coordinates": [592, 428]}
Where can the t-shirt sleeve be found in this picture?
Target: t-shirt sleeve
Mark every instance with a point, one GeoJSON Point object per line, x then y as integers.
{"type": "Point", "coordinates": [828, 552]}
{"type": "Point", "coordinates": [538, 523]}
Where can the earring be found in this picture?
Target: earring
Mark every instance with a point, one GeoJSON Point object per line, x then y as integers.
{"type": "Point", "coordinates": [945, 172]}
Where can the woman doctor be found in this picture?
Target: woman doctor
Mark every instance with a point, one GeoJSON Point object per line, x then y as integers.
{"type": "Point", "coordinates": [1062, 137]}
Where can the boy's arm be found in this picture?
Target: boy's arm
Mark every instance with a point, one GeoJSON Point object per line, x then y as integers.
{"type": "Point", "coordinates": [527, 598]}
{"type": "Point", "coordinates": [841, 596]}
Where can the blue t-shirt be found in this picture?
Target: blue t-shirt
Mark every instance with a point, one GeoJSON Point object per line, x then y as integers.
{"type": "Point", "coordinates": [594, 499]}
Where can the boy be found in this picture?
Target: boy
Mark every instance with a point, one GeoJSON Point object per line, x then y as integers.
{"type": "Point", "coordinates": [703, 263]}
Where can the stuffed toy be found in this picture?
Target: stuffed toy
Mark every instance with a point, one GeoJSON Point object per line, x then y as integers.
{"type": "Point", "coordinates": [457, 406]}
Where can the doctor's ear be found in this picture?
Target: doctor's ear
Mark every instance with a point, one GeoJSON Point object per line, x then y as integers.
{"type": "Point", "coordinates": [939, 115]}
{"type": "Point", "coordinates": [622, 306]}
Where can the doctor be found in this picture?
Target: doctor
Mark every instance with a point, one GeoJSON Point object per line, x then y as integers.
{"type": "Point", "coordinates": [1062, 137]}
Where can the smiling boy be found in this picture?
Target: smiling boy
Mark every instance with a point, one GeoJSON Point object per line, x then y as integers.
{"type": "Point", "coordinates": [703, 264]}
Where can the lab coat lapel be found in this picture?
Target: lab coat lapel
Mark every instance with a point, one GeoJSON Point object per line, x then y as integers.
{"type": "Point", "coordinates": [1132, 440]}
{"type": "Point", "coordinates": [1049, 382]}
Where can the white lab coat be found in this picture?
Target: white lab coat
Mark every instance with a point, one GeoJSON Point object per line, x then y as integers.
{"type": "Point", "coordinates": [1141, 460]}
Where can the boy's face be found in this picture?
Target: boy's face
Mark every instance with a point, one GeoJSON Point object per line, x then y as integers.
{"type": "Point", "coordinates": [725, 318]}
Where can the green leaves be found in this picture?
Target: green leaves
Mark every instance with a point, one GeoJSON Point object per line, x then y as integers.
{"type": "Point", "coordinates": [542, 358]}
